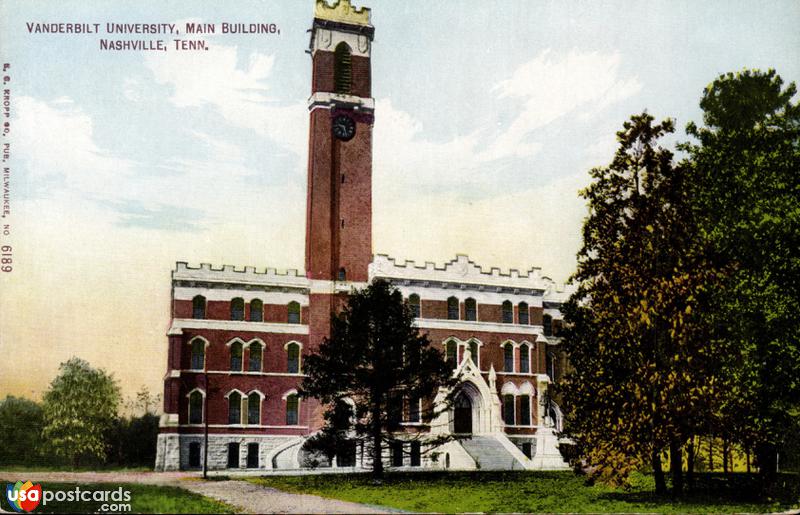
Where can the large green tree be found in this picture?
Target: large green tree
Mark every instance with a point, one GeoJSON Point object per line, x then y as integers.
{"type": "Point", "coordinates": [79, 408]}
{"type": "Point", "coordinates": [374, 366]}
{"type": "Point", "coordinates": [745, 168]}
{"type": "Point", "coordinates": [641, 374]}
{"type": "Point", "coordinates": [21, 423]}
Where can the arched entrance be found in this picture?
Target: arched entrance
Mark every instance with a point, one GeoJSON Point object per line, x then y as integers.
{"type": "Point", "coordinates": [462, 414]}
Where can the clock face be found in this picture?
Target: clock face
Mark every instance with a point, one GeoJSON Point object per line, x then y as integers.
{"type": "Point", "coordinates": [344, 127]}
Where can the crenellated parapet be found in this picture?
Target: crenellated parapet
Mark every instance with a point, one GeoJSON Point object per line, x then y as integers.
{"type": "Point", "coordinates": [231, 275]}
{"type": "Point", "coordinates": [459, 271]}
{"type": "Point", "coordinates": [342, 11]}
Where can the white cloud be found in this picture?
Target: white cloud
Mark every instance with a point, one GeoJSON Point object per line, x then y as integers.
{"type": "Point", "coordinates": [56, 139]}
{"type": "Point", "coordinates": [552, 86]}
{"type": "Point", "coordinates": [543, 90]}
{"type": "Point", "coordinates": [215, 79]}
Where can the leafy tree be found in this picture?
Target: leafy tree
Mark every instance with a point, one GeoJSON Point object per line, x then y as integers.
{"type": "Point", "coordinates": [642, 376]}
{"type": "Point", "coordinates": [79, 407]}
{"type": "Point", "coordinates": [374, 362]}
{"type": "Point", "coordinates": [131, 440]}
{"type": "Point", "coordinates": [21, 422]}
{"type": "Point", "coordinates": [745, 166]}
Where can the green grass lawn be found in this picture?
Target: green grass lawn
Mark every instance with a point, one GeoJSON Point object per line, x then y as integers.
{"type": "Point", "coordinates": [143, 499]}
{"type": "Point", "coordinates": [534, 492]}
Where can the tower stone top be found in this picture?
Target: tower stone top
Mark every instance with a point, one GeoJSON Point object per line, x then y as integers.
{"type": "Point", "coordinates": [342, 11]}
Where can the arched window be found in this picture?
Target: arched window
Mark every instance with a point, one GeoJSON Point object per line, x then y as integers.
{"type": "Point", "coordinates": [413, 303]}
{"type": "Point", "coordinates": [237, 309]}
{"type": "Point", "coordinates": [470, 310]}
{"type": "Point", "coordinates": [451, 352]}
{"type": "Point", "coordinates": [253, 409]}
{"type": "Point", "coordinates": [195, 407]}
{"type": "Point", "coordinates": [234, 408]}
{"type": "Point", "coordinates": [473, 350]}
{"type": "Point", "coordinates": [547, 321]}
{"type": "Point", "coordinates": [524, 410]}
{"type": "Point", "coordinates": [508, 312]}
{"type": "Point", "coordinates": [342, 275]}
{"type": "Point", "coordinates": [256, 310]}
{"type": "Point", "coordinates": [343, 69]}
{"type": "Point", "coordinates": [452, 309]}
{"type": "Point", "coordinates": [236, 357]}
{"type": "Point", "coordinates": [254, 363]}
{"type": "Point", "coordinates": [524, 313]}
{"type": "Point", "coordinates": [199, 307]}
{"type": "Point", "coordinates": [292, 404]}
{"type": "Point", "coordinates": [508, 357]}
{"type": "Point", "coordinates": [294, 312]}
{"type": "Point", "coordinates": [524, 359]}
{"type": "Point", "coordinates": [198, 354]}
{"type": "Point", "coordinates": [293, 358]}
{"type": "Point", "coordinates": [508, 410]}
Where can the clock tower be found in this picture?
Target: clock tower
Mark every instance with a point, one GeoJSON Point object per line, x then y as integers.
{"type": "Point", "coordinates": [339, 202]}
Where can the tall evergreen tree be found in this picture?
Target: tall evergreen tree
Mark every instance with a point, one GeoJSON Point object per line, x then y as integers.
{"type": "Point", "coordinates": [745, 172]}
{"type": "Point", "coordinates": [375, 366]}
{"type": "Point", "coordinates": [641, 375]}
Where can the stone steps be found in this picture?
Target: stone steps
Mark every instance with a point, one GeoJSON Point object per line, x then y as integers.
{"type": "Point", "coordinates": [490, 454]}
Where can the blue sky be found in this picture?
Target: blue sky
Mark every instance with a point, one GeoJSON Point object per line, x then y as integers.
{"type": "Point", "coordinates": [489, 116]}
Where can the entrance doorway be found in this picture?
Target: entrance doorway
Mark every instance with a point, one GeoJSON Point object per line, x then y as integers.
{"type": "Point", "coordinates": [462, 415]}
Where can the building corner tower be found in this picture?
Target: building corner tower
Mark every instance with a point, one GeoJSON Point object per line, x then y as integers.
{"type": "Point", "coordinates": [339, 202]}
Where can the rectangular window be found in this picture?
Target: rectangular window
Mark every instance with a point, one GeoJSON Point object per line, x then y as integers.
{"type": "Point", "coordinates": [414, 411]}
{"type": "Point", "coordinates": [252, 455]}
{"type": "Point", "coordinates": [194, 454]}
{"type": "Point", "coordinates": [233, 455]}
{"type": "Point", "coordinates": [397, 454]}
{"type": "Point", "coordinates": [416, 454]}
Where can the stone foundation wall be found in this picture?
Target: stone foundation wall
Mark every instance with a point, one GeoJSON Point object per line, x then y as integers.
{"type": "Point", "coordinates": [173, 450]}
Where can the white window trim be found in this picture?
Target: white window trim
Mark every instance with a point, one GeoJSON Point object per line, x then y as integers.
{"type": "Point", "coordinates": [205, 351]}
{"type": "Point", "coordinates": [202, 405]}
{"type": "Point", "coordinates": [299, 357]}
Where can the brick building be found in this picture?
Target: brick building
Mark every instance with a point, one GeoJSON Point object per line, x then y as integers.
{"type": "Point", "coordinates": [238, 336]}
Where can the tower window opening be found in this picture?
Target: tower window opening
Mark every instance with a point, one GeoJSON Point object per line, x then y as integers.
{"type": "Point", "coordinates": [343, 69]}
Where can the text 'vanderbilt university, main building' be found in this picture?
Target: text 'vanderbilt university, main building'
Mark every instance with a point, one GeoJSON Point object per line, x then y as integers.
{"type": "Point", "coordinates": [238, 337]}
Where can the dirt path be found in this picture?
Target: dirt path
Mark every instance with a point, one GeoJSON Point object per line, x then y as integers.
{"type": "Point", "coordinates": [245, 496]}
